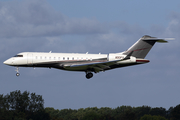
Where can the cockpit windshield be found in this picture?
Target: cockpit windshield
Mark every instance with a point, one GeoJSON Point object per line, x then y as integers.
{"type": "Point", "coordinates": [18, 56]}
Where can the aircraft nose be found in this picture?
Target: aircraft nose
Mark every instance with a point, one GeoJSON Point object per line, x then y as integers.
{"type": "Point", "coordinates": [7, 62]}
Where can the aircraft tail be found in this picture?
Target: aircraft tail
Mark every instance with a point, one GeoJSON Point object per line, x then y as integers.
{"type": "Point", "coordinates": [141, 48]}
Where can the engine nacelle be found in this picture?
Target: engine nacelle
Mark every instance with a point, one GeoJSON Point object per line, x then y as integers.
{"type": "Point", "coordinates": [113, 56]}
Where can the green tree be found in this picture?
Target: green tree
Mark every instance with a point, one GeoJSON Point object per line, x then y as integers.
{"type": "Point", "coordinates": [17, 105]}
{"type": "Point", "coordinates": [141, 111]}
{"type": "Point", "coordinates": [149, 117]}
{"type": "Point", "coordinates": [91, 115]}
{"type": "Point", "coordinates": [54, 114]}
{"type": "Point", "coordinates": [65, 114]}
{"type": "Point", "coordinates": [124, 113]}
{"type": "Point", "coordinates": [158, 111]}
{"type": "Point", "coordinates": [169, 115]}
{"type": "Point", "coordinates": [106, 113]}
{"type": "Point", "coordinates": [36, 103]}
{"type": "Point", "coordinates": [175, 113]}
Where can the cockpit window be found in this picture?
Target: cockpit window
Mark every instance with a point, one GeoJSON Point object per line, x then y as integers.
{"type": "Point", "coordinates": [18, 56]}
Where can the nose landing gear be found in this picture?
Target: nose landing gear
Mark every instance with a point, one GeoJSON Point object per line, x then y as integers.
{"type": "Point", "coordinates": [17, 70]}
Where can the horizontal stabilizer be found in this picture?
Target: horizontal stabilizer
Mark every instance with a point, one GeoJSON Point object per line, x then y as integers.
{"type": "Point", "coordinates": [161, 40]}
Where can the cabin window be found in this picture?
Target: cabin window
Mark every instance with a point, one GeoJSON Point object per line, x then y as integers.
{"type": "Point", "coordinates": [49, 57]}
{"type": "Point", "coordinates": [58, 58]}
{"type": "Point", "coordinates": [63, 58]}
{"type": "Point", "coordinates": [44, 57]}
{"type": "Point", "coordinates": [36, 57]}
{"type": "Point", "coordinates": [41, 57]}
{"type": "Point", "coordinates": [67, 58]}
{"type": "Point", "coordinates": [73, 58]}
{"type": "Point", "coordinates": [54, 58]}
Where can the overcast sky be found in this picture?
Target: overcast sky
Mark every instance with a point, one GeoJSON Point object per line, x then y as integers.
{"type": "Point", "coordinates": [95, 26]}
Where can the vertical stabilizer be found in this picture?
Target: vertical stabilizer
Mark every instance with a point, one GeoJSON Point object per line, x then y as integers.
{"type": "Point", "coordinates": [141, 48]}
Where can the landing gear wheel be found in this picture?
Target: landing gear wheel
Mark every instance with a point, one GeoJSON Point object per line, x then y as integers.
{"type": "Point", "coordinates": [89, 75]}
{"type": "Point", "coordinates": [17, 74]}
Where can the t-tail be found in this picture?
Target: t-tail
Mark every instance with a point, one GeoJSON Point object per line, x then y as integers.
{"type": "Point", "coordinates": [141, 48]}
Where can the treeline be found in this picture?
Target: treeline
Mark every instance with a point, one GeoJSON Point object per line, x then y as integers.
{"type": "Point", "coordinates": [119, 113]}
{"type": "Point", "coordinates": [29, 106]}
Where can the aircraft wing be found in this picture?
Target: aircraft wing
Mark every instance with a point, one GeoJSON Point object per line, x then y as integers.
{"type": "Point", "coordinates": [96, 66]}
{"type": "Point", "coordinates": [102, 66]}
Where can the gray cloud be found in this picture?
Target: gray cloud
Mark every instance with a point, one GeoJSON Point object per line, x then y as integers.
{"type": "Point", "coordinates": [38, 18]}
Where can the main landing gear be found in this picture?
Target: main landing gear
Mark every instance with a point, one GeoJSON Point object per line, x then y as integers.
{"type": "Point", "coordinates": [17, 70]}
{"type": "Point", "coordinates": [89, 75]}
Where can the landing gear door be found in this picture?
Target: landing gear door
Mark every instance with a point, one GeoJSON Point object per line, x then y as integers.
{"type": "Point", "coordinates": [29, 59]}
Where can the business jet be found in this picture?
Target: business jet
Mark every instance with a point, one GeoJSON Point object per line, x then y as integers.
{"type": "Point", "coordinates": [87, 63]}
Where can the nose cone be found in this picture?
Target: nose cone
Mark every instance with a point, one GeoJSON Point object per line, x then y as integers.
{"type": "Point", "coordinates": [7, 62]}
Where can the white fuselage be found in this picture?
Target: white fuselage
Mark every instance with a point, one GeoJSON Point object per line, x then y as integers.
{"type": "Point", "coordinates": [59, 60]}
{"type": "Point", "coordinates": [65, 60]}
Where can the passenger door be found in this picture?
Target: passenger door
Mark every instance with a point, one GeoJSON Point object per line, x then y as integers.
{"type": "Point", "coordinates": [30, 59]}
